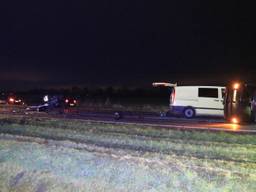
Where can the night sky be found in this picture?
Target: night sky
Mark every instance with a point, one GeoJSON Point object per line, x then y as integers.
{"type": "Point", "coordinates": [132, 43]}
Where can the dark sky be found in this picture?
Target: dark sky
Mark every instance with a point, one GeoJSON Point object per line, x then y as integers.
{"type": "Point", "coordinates": [99, 42]}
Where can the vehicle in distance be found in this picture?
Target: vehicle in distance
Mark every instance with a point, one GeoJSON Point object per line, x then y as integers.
{"type": "Point", "coordinates": [53, 103]}
{"type": "Point", "coordinates": [70, 102]}
{"type": "Point", "coordinates": [191, 101]}
{"type": "Point", "coordinates": [14, 100]}
{"type": "Point", "coordinates": [240, 103]}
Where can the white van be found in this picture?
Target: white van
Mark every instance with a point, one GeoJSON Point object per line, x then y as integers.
{"type": "Point", "coordinates": [193, 101]}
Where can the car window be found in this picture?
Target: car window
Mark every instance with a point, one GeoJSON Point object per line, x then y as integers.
{"type": "Point", "coordinates": [208, 92]}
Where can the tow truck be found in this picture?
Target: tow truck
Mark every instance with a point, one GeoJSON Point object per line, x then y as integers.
{"type": "Point", "coordinates": [240, 103]}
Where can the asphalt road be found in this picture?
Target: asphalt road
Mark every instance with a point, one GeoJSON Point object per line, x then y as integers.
{"type": "Point", "coordinates": [200, 123]}
{"type": "Point", "coordinates": [146, 119]}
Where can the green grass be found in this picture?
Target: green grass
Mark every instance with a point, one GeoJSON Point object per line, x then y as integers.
{"type": "Point", "coordinates": [210, 160]}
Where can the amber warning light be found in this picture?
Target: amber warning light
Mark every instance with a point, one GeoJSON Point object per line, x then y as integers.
{"type": "Point", "coordinates": [236, 85]}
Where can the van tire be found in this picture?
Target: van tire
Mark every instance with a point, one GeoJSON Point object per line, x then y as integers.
{"type": "Point", "coordinates": [189, 112]}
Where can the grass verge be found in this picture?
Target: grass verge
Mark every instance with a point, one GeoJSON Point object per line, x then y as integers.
{"type": "Point", "coordinates": [225, 159]}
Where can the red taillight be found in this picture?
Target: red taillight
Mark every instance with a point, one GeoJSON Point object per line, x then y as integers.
{"type": "Point", "coordinates": [11, 99]}
{"type": "Point", "coordinates": [74, 101]}
{"type": "Point", "coordinates": [66, 101]}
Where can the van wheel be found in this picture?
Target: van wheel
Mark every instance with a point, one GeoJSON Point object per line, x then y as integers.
{"type": "Point", "coordinates": [189, 112]}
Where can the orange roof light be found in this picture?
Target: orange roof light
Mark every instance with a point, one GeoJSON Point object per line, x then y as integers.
{"type": "Point", "coordinates": [236, 85]}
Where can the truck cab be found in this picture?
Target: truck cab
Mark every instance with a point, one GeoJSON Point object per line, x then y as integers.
{"type": "Point", "coordinates": [240, 103]}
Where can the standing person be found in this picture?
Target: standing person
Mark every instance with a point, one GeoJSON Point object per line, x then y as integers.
{"type": "Point", "coordinates": [253, 106]}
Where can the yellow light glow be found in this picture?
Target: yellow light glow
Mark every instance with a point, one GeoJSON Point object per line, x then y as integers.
{"type": "Point", "coordinates": [234, 120]}
{"type": "Point", "coordinates": [234, 96]}
{"type": "Point", "coordinates": [234, 126]}
{"type": "Point", "coordinates": [236, 86]}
